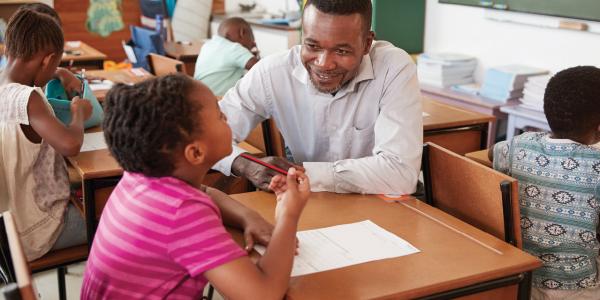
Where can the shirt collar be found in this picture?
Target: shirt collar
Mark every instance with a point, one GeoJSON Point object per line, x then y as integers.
{"type": "Point", "coordinates": [365, 72]}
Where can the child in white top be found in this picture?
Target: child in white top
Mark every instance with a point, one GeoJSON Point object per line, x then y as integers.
{"type": "Point", "coordinates": [33, 179]}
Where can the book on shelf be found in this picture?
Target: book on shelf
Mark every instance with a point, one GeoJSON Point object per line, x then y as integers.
{"type": "Point", "coordinates": [469, 88]}
{"type": "Point", "coordinates": [447, 59]}
{"type": "Point", "coordinates": [446, 82]}
{"type": "Point", "coordinates": [445, 69]}
{"type": "Point", "coordinates": [511, 77]}
{"type": "Point", "coordinates": [504, 83]}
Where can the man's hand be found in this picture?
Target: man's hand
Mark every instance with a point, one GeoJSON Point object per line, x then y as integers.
{"type": "Point", "coordinates": [259, 175]}
{"type": "Point", "coordinates": [256, 231]}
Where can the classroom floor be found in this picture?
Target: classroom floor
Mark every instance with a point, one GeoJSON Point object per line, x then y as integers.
{"type": "Point", "coordinates": [47, 283]}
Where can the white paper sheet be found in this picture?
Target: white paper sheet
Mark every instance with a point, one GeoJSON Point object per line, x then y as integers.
{"type": "Point", "coordinates": [138, 72]}
{"type": "Point", "coordinates": [345, 245]}
{"type": "Point", "coordinates": [101, 85]}
{"type": "Point", "coordinates": [425, 114]}
{"type": "Point", "coordinates": [129, 52]}
{"type": "Point", "coordinates": [73, 44]}
{"type": "Point", "coordinates": [93, 141]}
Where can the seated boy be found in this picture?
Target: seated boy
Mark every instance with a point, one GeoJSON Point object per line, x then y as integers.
{"type": "Point", "coordinates": [224, 59]}
{"type": "Point", "coordinates": [559, 187]}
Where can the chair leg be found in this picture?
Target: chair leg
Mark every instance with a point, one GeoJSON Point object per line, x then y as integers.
{"type": "Point", "coordinates": [209, 295]}
{"type": "Point", "coordinates": [62, 285]}
{"type": "Point", "coordinates": [524, 291]}
{"type": "Point", "coordinates": [211, 290]}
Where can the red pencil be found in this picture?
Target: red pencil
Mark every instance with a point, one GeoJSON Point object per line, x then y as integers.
{"type": "Point", "coordinates": [260, 162]}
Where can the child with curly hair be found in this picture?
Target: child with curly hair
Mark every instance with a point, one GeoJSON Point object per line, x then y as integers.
{"type": "Point", "coordinates": [559, 187]}
{"type": "Point", "coordinates": [160, 234]}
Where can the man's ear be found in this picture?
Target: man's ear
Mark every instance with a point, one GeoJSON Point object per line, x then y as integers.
{"type": "Point", "coordinates": [195, 153]}
{"type": "Point", "coordinates": [368, 42]}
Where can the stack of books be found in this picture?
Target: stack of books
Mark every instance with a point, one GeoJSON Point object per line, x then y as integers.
{"type": "Point", "coordinates": [507, 82]}
{"type": "Point", "coordinates": [533, 93]}
{"type": "Point", "coordinates": [445, 69]}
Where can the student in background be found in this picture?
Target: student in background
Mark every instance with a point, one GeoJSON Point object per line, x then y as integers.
{"type": "Point", "coordinates": [33, 178]}
{"type": "Point", "coordinates": [559, 187]}
{"type": "Point", "coordinates": [224, 59]}
{"type": "Point", "coordinates": [161, 235]}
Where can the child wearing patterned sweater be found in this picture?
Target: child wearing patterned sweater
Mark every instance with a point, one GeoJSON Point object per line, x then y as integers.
{"type": "Point", "coordinates": [161, 235]}
{"type": "Point", "coordinates": [559, 187]}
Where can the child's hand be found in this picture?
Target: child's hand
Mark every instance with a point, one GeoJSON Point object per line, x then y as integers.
{"type": "Point", "coordinates": [83, 105]}
{"type": "Point", "coordinates": [292, 193]}
{"type": "Point", "coordinates": [71, 84]}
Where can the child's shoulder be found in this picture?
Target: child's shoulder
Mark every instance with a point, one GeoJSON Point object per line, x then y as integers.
{"type": "Point", "coordinates": [169, 190]}
{"type": "Point", "coordinates": [16, 99]}
{"type": "Point", "coordinates": [17, 89]}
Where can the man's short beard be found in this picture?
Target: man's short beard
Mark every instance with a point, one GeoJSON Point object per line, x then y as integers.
{"type": "Point", "coordinates": [327, 91]}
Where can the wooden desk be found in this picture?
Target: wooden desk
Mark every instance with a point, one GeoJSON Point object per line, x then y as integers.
{"type": "Point", "coordinates": [458, 130]}
{"type": "Point", "coordinates": [472, 103]}
{"type": "Point", "coordinates": [453, 128]}
{"type": "Point", "coordinates": [454, 255]}
{"type": "Point", "coordinates": [100, 172]}
{"type": "Point", "coordinates": [187, 53]}
{"type": "Point", "coordinates": [481, 157]}
{"type": "Point", "coordinates": [117, 76]}
{"type": "Point", "coordinates": [83, 56]}
{"type": "Point", "coordinates": [519, 118]}
{"type": "Point", "coordinates": [9, 7]}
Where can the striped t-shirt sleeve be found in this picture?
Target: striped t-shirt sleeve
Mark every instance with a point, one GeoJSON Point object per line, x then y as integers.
{"type": "Point", "coordinates": [199, 241]}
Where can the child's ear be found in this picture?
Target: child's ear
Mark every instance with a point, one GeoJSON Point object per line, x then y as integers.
{"type": "Point", "coordinates": [48, 59]}
{"type": "Point", "coordinates": [195, 153]}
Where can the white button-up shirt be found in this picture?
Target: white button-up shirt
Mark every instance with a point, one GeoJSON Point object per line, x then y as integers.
{"type": "Point", "coordinates": [367, 138]}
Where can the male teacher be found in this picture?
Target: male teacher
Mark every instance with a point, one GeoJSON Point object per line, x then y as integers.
{"type": "Point", "coordinates": [348, 107]}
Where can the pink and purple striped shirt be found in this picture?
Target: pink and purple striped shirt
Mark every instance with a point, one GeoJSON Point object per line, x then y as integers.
{"type": "Point", "coordinates": [156, 238]}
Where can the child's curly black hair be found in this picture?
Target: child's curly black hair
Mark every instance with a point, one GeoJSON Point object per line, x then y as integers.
{"type": "Point", "coordinates": [572, 101]}
{"type": "Point", "coordinates": [144, 123]}
{"type": "Point", "coordinates": [30, 32]}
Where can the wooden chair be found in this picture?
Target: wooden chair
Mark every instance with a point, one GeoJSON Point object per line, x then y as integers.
{"type": "Point", "coordinates": [478, 195]}
{"type": "Point", "coordinates": [60, 259]}
{"type": "Point", "coordinates": [267, 138]}
{"type": "Point", "coordinates": [14, 271]}
{"type": "Point", "coordinates": [481, 157]}
{"type": "Point", "coordinates": [162, 65]}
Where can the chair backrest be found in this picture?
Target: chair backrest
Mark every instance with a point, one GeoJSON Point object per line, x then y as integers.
{"type": "Point", "coordinates": [274, 143]}
{"type": "Point", "coordinates": [162, 65]}
{"type": "Point", "coordinates": [13, 263]}
{"type": "Point", "coordinates": [474, 193]}
{"type": "Point", "coordinates": [145, 41]}
{"type": "Point", "coordinates": [191, 20]}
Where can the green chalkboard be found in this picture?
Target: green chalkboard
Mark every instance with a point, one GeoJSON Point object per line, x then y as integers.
{"type": "Point", "coordinates": [577, 9]}
{"type": "Point", "coordinates": [401, 22]}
